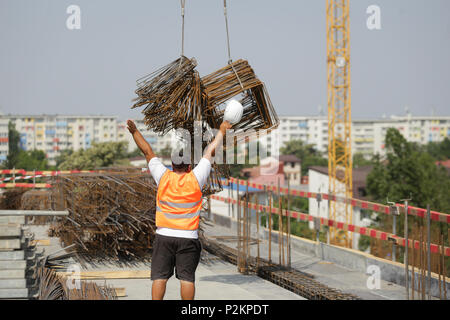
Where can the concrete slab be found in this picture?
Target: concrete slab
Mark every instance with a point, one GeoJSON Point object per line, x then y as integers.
{"type": "Point", "coordinates": [13, 283]}
{"type": "Point", "coordinates": [12, 264]}
{"type": "Point", "coordinates": [328, 273]}
{"type": "Point", "coordinates": [10, 231]}
{"type": "Point", "coordinates": [13, 293]}
{"type": "Point", "coordinates": [8, 244]}
{"type": "Point", "coordinates": [12, 255]}
{"type": "Point", "coordinates": [9, 219]}
{"type": "Point", "coordinates": [216, 280]}
{"type": "Point", "coordinates": [12, 274]}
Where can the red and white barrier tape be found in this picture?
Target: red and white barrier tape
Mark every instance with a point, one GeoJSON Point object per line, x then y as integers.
{"type": "Point", "coordinates": [373, 233]}
{"type": "Point", "coordinates": [25, 185]}
{"type": "Point", "coordinates": [436, 216]}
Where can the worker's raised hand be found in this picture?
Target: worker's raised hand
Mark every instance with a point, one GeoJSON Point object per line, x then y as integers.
{"type": "Point", "coordinates": [224, 126]}
{"type": "Point", "coordinates": [131, 126]}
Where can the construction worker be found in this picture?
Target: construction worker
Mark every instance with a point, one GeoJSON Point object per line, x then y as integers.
{"type": "Point", "coordinates": [178, 204]}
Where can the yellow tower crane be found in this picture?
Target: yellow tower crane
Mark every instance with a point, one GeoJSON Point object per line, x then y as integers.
{"type": "Point", "coordinates": [339, 117]}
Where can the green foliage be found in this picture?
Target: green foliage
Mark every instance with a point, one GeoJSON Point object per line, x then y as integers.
{"type": "Point", "coordinates": [135, 153]}
{"type": "Point", "coordinates": [30, 160]}
{"type": "Point", "coordinates": [166, 151]}
{"type": "Point", "coordinates": [21, 159]}
{"type": "Point", "coordinates": [364, 242]}
{"type": "Point", "coordinates": [235, 168]}
{"type": "Point", "coordinates": [360, 161]}
{"type": "Point", "coordinates": [298, 228]}
{"type": "Point", "coordinates": [103, 154]}
{"type": "Point", "coordinates": [307, 154]}
{"type": "Point", "coordinates": [13, 147]}
{"type": "Point", "coordinates": [409, 171]}
{"type": "Point", "coordinates": [438, 150]}
{"type": "Point", "coordinates": [63, 156]}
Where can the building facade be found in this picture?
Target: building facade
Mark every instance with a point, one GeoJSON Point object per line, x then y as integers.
{"type": "Point", "coordinates": [319, 182]}
{"type": "Point", "coordinates": [4, 139]}
{"type": "Point", "coordinates": [368, 135]}
{"type": "Point", "coordinates": [55, 133]}
{"type": "Point", "coordinates": [157, 141]}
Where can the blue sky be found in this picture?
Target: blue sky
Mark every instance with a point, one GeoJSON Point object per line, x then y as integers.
{"type": "Point", "coordinates": [47, 68]}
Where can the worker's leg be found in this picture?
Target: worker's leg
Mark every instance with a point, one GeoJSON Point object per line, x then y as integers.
{"type": "Point", "coordinates": [163, 262]}
{"type": "Point", "coordinates": [186, 262]}
{"type": "Point", "coordinates": [158, 289]}
{"type": "Point", "coordinates": [187, 290]}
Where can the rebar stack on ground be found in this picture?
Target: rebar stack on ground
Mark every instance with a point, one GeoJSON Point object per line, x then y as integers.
{"type": "Point", "coordinates": [36, 200]}
{"type": "Point", "coordinates": [111, 216]}
{"type": "Point", "coordinates": [11, 199]}
{"type": "Point", "coordinates": [54, 287]}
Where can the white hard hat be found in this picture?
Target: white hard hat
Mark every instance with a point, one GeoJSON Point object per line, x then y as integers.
{"type": "Point", "coordinates": [233, 111]}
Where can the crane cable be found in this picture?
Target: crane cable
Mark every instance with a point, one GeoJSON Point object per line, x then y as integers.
{"type": "Point", "coordinates": [226, 27]}
{"type": "Point", "coordinates": [182, 26]}
{"type": "Point", "coordinates": [228, 42]}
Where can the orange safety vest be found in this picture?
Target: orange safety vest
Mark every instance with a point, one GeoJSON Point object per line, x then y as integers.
{"type": "Point", "coordinates": [178, 201]}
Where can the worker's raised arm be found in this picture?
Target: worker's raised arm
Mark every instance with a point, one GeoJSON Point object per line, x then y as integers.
{"type": "Point", "coordinates": [210, 150]}
{"type": "Point", "coordinates": [142, 144]}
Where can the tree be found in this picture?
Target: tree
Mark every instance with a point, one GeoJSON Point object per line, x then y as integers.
{"type": "Point", "coordinates": [407, 171]}
{"type": "Point", "coordinates": [63, 156]}
{"type": "Point", "coordinates": [439, 150]}
{"type": "Point", "coordinates": [13, 147]}
{"type": "Point", "coordinates": [360, 161]}
{"type": "Point", "coordinates": [103, 154]}
{"type": "Point", "coordinates": [135, 153]}
{"type": "Point", "coordinates": [21, 159]}
{"type": "Point", "coordinates": [166, 151]}
{"type": "Point", "coordinates": [307, 154]}
{"type": "Point", "coordinates": [32, 160]}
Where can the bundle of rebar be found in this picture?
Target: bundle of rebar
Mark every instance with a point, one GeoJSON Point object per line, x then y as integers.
{"type": "Point", "coordinates": [172, 95]}
{"type": "Point", "coordinates": [37, 200]}
{"type": "Point", "coordinates": [175, 96]}
{"type": "Point", "coordinates": [111, 216]}
{"type": "Point", "coordinates": [11, 199]}
{"type": "Point", "coordinates": [54, 287]}
{"type": "Point", "coordinates": [238, 80]}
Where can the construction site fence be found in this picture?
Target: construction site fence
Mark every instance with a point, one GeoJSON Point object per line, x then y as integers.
{"type": "Point", "coordinates": [367, 205]}
{"type": "Point", "coordinates": [414, 211]}
{"type": "Point", "coordinates": [370, 232]}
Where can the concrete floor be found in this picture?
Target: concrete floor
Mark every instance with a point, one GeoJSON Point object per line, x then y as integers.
{"type": "Point", "coordinates": [325, 272]}
{"type": "Point", "coordinates": [219, 280]}
{"type": "Point", "coordinates": [215, 279]}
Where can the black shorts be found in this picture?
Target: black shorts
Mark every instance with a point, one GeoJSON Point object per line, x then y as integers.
{"type": "Point", "coordinates": [183, 254]}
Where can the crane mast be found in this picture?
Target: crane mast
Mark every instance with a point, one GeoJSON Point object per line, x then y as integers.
{"type": "Point", "coordinates": [339, 117]}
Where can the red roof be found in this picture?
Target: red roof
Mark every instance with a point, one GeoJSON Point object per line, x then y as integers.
{"type": "Point", "coordinates": [444, 163]}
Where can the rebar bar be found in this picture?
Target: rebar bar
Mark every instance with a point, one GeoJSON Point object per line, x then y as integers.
{"type": "Point", "coordinates": [296, 281]}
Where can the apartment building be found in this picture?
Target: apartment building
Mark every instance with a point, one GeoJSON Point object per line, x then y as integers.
{"type": "Point", "coordinates": [4, 140]}
{"type": "Point", "coordinates": [157, 141]}
{"type": "Point", "coordinates": [54, 133]}
{"type": "Point", "coordinates": [368, 135]}
{"type": "Point", "coordinates": [311, 130]}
